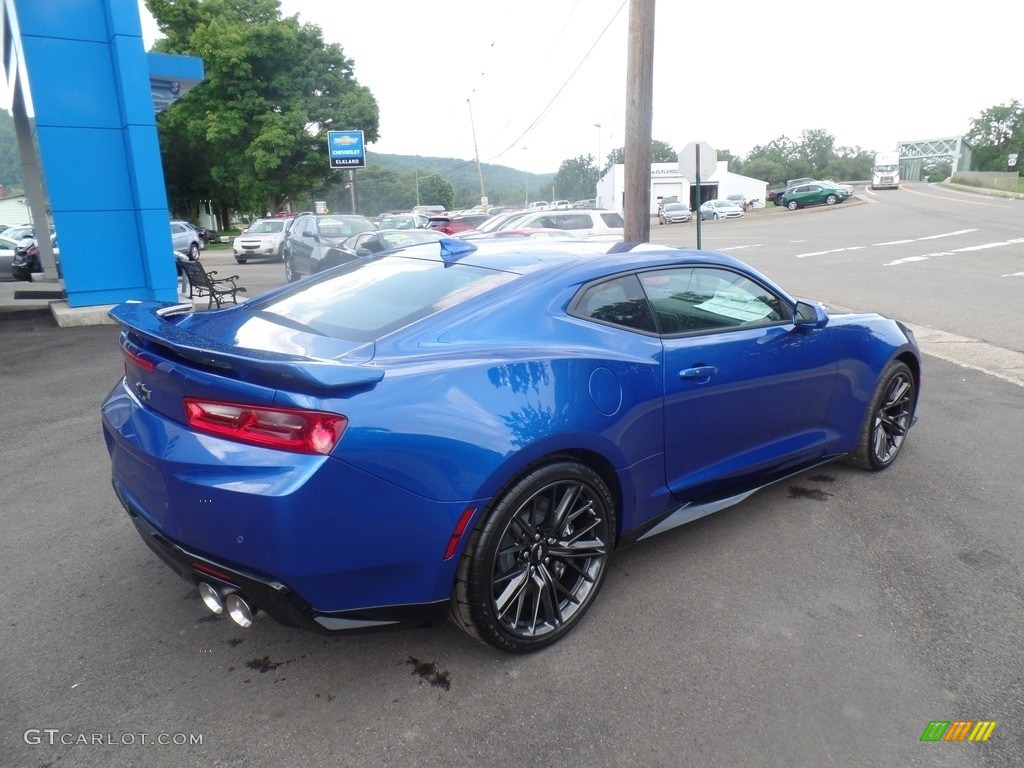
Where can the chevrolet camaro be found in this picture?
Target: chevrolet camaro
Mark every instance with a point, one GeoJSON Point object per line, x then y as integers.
{"type": "Point", "coordinates": [470, 430]}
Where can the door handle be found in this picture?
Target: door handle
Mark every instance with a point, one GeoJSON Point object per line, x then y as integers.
{"type": "Point", "coordinates": [698, 372]}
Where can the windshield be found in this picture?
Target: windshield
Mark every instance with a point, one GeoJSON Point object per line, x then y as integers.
{"type": "Point", "coordinates": [264, 227]}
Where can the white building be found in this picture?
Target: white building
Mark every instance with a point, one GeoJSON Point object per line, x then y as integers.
{"type": "Point", "coordinates": [666, 180]}
{"type": "Point", "coordinates": [14, 211]}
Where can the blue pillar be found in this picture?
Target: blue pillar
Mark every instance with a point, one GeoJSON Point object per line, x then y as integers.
{"type": "Point", "coordinates": [89, 77]}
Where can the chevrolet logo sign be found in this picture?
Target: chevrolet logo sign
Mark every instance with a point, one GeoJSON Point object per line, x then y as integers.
{"type": "Point", "coordinates": [142, 391]}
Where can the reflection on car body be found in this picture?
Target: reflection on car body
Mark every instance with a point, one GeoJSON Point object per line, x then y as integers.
{"type": "Point", "coordinates": [471, 429]}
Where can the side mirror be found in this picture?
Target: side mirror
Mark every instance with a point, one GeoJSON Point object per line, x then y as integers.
{"type": "Point", "coordinates": [809, 315]}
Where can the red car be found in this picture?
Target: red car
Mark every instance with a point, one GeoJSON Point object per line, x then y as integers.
{"type": "Point", "coordinates": [457, 223]}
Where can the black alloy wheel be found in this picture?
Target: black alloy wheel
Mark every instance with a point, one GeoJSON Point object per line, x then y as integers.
{"type": "Point", "coordinates": [536, 560]}
{"type": "Point", "coordinates": [888, 421]}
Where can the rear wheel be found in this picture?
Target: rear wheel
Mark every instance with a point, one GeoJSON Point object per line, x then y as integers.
{"type": "Point", "coordinates": [193, 251]}
{"type": "Point", "coordinates": [536, 560]}
{"type": "Point", "coordinates": [241, 261]}
{"type": "Point", "coordinates": [888, 420]}
{"type": "Point", "coordinates": [289, 270]}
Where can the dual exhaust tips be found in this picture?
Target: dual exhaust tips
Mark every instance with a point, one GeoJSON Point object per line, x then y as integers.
{"type": "Point", "coordinates": [235, 604]}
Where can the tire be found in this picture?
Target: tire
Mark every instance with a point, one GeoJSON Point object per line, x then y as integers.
{"type": "Point", "coordinates": [194, 251]}
{"type": "Point", "coordinates": [715, 217]}
{"type": "Point", "coordinates": [792, 205]}
{"type": "Point", "coordinates": [536, 560]}
{"type": "Point", "coordinates": [241, 261]}
{"type": "Point", "coordinates": [289, 270]}
{"type": "Point", "coordinates": [889, 418]}
{"type": "Point", "coordinates": [831, 200]}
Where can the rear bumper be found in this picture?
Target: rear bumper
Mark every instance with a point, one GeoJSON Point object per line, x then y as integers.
{"type": "Point", "coordinates": [273, 597]}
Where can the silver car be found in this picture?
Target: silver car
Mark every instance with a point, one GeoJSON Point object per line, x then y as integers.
{"type": "Point", "coordinates": [674, 213]}
{"type": "Point", "coordinates": [264, 238]}
{"type": "Point", "coordinates": [186, 239]}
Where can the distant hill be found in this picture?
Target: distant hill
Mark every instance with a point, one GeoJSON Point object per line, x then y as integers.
{"type": "Point", "coordinates": [502, 184]}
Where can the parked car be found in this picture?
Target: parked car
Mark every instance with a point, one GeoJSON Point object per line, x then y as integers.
{"type": "Point", "coordinates": [314, 238]}
{"type": "Point", "coordinates": [457, 222]}
{"type": "Point", "coordinates": [674, 213]}
{"type": "Point", "coordinates": [591, 203]}
{"type": "Point", "coordinates": [403, 221]}
{"type": "Point", "coordinates": [208, 235]}
{"type": "Point", "coordinates": [527, 233]}
{"type": "Point", "coordinates": [186, 239]}
{"type": "Point", "coordinates": [377, 241]}
{"type": "Point", "coordinates": [816, 193]}
{"type": "Point", "coordinates": [495, 222]}
{"type": "Point", "coordinates": [593, 224]}
{"type": "Point", "coordinates": [264, 238]}
{"type": "Point", "coordinates": [27, 260]}
{"type": "Point", "coordinates": [473, 431]}
{"type": "Point", "coordinates": [7, 248]}
{"type": "Point", "coordinates": [720, 209]}
{"type": "Point", "coordinates": [560, 205]}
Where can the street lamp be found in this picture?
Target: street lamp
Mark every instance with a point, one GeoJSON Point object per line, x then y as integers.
{"type": "Point", "coordinates": [598, 126]}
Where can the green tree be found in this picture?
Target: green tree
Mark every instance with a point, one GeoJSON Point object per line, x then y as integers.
{"type": "Point", "coordinates": [12, 173]}
{"type": "Point", "coordinates": [661, 152]}
{"type": "Point", "coordinates": [437, 190]}
{"type": "Point", "coordinates": [253, 134]}
{"type": "Point", "coordinates": [576, 178]}
{"type": "Point", "coordinates": [994, 134]}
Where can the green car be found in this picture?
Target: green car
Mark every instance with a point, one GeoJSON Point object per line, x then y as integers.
{"type": "Point", "coordinates": [815, 193]}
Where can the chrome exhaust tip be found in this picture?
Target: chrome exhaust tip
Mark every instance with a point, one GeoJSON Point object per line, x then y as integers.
{"type": "Point", "coordinates": [239, 609]}
{"type": "Point", "coordinates": [211, 598]}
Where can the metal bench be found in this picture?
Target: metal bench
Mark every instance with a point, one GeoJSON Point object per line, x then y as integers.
{"type": "Point", "coordinates": [203, 284]}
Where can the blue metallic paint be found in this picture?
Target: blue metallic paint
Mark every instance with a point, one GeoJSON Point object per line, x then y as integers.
{"type": "Point", "coordinates": [445, 413]}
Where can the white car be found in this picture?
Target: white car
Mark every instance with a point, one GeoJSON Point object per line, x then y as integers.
{"type": "Point", "coordinates": [593, 224]}
{"type": "Point", "coordinates": [720, 209]}
{"type": "Point", "coordinates": [265, 238]}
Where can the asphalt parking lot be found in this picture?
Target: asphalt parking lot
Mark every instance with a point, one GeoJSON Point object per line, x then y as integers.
{"type": "Point", "coordinates": [826, 621]}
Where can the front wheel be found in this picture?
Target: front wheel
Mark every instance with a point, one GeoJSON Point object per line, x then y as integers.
{"type": "Point", "coordinates": [792, 205]}
{"type": "Point", "coordinates": [193, 251]}
{"type": "Point", "coordinates": [241, 261]}
{"type": "Point", "coordinates": [536, 560]}
{"type": "Point", "coordinates": [289, 270]}
{"type": "Point", "coordinates": [889, 418]}
{"type": "Point", "coordinates": [831, 200]}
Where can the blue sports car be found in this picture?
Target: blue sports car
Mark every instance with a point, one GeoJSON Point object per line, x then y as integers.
{"type": "Point", "coordinates": [470, 430]}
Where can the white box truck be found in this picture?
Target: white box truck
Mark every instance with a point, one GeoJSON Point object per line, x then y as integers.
{"type": "Point", "coordinates": [885, 174]}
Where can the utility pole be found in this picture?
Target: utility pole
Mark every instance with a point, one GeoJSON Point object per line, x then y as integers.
{"type": "Point", "coordinates": [479, 173]}
{"type": "Point", "coordinates": [639, 100]}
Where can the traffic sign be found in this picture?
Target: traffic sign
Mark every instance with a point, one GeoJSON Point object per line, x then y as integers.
{"type": "Point", "coordinates": [688, 160]}
{"type": "Point", "coordinates": [346, 150]}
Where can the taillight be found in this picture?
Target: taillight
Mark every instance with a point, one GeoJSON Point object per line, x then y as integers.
{"type": "Point", "coordinates": [145, 365]}
{"type": "Point", "coordinates": [288, 429]}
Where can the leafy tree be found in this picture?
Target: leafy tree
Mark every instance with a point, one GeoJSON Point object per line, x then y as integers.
{"type": "Point", "coordinates": [576, 178]}
{"type": "Point", "coordinates": [253, 134]}
{"type": "Point", "coordinates": [816, 149]}
{"type": "Point", "coordinates": [436, 190]}
{"type": "Point", "coordinates": [661, 152]}
{"type": "Point", "coordinates": [12, 173]}
{"type": "Point", "coordinates": [994, 134]}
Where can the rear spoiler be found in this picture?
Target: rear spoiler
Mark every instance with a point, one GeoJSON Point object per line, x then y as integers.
{"type": "Point", "coordinates": [147, 320]}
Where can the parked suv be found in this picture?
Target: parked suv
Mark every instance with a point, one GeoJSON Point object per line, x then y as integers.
{"type": "Point", "coordinates": [315, 238]}
{"type": "Point", "coordinates": [590, 224]}
{"type": "Point", "coordinates": [186, 239]}
{"type": "Point", "coordinates": [264, 238]}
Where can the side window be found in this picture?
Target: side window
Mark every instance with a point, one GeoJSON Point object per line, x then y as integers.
{"type": "Point", "coordinates": [574, 221]}
{"type": "Point", "coordinates": [620, 302]}
{"type": "Point", "coordinates": [697, 299]}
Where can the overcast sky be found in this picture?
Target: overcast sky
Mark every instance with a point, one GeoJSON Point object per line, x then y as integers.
{"type": "Point", "coordinates": [541, 73]}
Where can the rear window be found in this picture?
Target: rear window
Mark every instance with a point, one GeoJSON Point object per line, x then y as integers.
{"type": "Point", "coordinates": [370, 298]}
{"type": "Point", "coordinates": [613, 219]}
